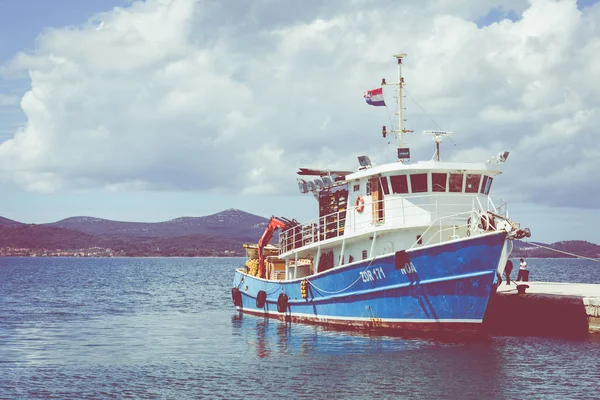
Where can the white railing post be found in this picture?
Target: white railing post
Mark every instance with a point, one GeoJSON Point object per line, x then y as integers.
{"type": "Point", "coordinates": [373, 245]}
{"type": "Point", "coordinates": [402, 208]}
{"type": "Point", "coordinates": [342, 253]}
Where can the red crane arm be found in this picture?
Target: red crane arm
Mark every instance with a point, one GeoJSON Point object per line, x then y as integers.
{"type": "Point", "coordinates": [274, 224]}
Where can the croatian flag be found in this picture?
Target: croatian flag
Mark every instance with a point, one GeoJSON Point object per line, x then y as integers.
{"type": "Point", "coordinates": [375, 97]}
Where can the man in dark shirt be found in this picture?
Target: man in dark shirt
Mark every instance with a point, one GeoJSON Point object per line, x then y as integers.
{"type": "Point", "coordinates": [508, 270]}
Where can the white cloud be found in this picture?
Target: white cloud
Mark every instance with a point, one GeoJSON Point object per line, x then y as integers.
{"type": "Point", "coordinates": [190, 95]}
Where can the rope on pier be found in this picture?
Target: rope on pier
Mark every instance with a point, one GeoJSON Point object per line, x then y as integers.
{"type": "Point", "coordinates": [564, 252]}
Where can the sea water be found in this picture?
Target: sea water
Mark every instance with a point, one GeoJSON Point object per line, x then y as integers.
{"type": "Point", "coordinates": [74, 328]}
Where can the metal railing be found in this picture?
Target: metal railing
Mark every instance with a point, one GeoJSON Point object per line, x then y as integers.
{"type": "Point", "coordinates": [429, 210]}
{"type": "Point", "coordinates": [327, 227]}
{"type": "Point", "coordinates": [445, 225]}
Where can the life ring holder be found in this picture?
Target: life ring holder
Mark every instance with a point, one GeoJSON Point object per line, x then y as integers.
{"type": "Point", "coordinates": [360, 204]}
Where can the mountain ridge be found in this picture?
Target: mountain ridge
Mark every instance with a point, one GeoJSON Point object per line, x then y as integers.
{"type": "Point", "coordinates": [222, 233]}
{"type": "Point", "coordinates": [9, 222]}
{"type": "Point", "coordinates": [223, 222]}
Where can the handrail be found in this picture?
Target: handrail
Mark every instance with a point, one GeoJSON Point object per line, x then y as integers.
{"type": "Point", "coordinates": [468, 214]}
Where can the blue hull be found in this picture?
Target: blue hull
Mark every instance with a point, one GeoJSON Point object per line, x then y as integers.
{"type": "Point", "coordinates": [439, 288]}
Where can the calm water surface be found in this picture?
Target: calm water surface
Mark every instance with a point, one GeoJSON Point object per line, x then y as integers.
{"type": "Point", "coordinates": [73, 328]}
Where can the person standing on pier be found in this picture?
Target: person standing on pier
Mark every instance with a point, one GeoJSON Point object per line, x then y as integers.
{"type": "Point", "coordinates": [523, 273]}
{"type": "Point", "coordinates": [508, 270]}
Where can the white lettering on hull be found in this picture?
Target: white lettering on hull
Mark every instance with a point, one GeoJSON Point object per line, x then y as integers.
{"type": "Point", "coordinates": [374, 274]}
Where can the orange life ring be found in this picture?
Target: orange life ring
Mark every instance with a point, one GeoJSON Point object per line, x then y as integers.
{"type": "Point", "coordinates": [360, 204]}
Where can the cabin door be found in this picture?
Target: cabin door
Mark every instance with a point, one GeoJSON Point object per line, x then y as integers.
{"type": "Point", "coordinates": [376, 199]}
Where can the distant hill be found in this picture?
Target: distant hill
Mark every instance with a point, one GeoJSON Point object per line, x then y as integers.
{"type": "Point", "coordinates": [579, 247]}
{"type": "Point", "coordinates": [33, 236]}
{"type": "Point", "coordinates": [8, 222]}
{"type": "Point", "coordinates": [186, 236]}
{"type": "Point", "coordinates": [232, 223]}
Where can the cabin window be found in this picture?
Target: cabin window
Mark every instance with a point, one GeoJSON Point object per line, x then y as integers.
{"type": "Point", "coordinates": [364, 254]}
{"type": "Point", "coordinates": [399, 184]}
{"type": "Point", "coordinates": [384, 185]}
{"type": "Point", "coordinates": [418, 182]}
{"type": "Point", "coordinates": [488, 185]}
{"type": "Point", "coordinates": [456, 182]}
{"type": "Point", "coordinates": [356, 187]}
{"type": "Point", "coordinates": [368, 188]}
{"type": "Point", "coordinates": [472, 183]}
{"type": "Point", "coordinates": [483, 184]}
{"type": "Point", "coordinates": [438, 182]}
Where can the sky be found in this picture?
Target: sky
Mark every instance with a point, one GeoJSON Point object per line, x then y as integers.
{"type": "Point", "coordinates": [157, 109]}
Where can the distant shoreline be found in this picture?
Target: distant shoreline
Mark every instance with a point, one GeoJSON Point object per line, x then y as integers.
{"type": "Point", "coordinates": [244, 256]}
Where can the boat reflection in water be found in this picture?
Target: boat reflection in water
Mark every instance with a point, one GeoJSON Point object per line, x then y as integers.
{"type": "Point", "coordinates": [368, 363]}
{"type": "Point", "coordinates": [267, 337]}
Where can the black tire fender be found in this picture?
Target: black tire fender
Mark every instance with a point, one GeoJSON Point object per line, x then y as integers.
{"type": "Point", "coordinates": [282, 303]}
{"type": "Point", "coordinates": [236, 296]}
{"type": "Point", "coordinates": [261, 299]}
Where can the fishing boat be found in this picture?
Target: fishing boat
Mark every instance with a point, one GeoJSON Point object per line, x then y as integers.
{"type": "Point", "coordinates": [405, 246]}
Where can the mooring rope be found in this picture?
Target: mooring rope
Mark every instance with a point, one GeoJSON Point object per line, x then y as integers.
{"type": "Point", "coordinates": [564, 252]}
{"type": "Point", "coordinates": [277, 289]}
{"type": "Point", "coordinates": [239, 285]}
{"type": "Point", "coordinates": [346, 288]}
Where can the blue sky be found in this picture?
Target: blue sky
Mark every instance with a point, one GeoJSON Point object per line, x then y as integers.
{"type": "Point", "coordinates": [212, 105]}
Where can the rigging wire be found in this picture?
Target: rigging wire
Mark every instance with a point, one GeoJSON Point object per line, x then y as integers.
{"type": "Point", "coordinates": [422, 109]}
{"type": "Point", "coordinates": [560, 251]}
{"type": "Point", "coordinates": [429, 116]}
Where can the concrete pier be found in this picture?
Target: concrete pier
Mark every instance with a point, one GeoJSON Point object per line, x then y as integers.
{"type": "Point", "coordinates": [545, 309]}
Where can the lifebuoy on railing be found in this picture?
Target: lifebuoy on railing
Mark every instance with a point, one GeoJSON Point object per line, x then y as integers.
{"type": "Point", "coordinates": [360, 204]}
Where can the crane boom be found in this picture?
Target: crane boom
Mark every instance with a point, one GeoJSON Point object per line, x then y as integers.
{"type": "Point", "coordinates": [274, 224]}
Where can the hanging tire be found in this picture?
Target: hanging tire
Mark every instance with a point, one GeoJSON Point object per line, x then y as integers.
{"type": "Point", "coordinates": [484, 222]}
{"type": "Point", "coordinates": [261, 299]}
{"type": "Point", "coordinates": [488, 222]}
{"type": "Point", "coordinates": [282, 303]}
{"type": "Point", "coordinates": [236, 296]}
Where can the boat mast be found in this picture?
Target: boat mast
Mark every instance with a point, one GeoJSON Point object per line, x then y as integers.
{"type": "Point", "coordinates": [403, 151]}
{"type": "Point", "coordinates": [400, 84]}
